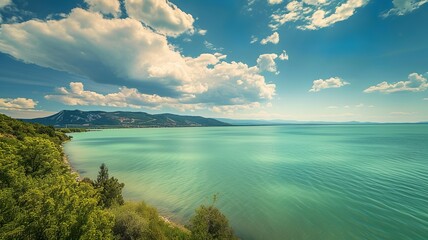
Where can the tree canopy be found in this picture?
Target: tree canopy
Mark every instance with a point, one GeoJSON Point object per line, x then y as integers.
{"type": "Point", "coordinates": [209, 223]}
{"type": "Point", "coordinates": [39, 197]}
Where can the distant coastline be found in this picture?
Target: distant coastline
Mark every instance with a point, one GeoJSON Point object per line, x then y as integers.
{"type": "Point", "coordinates": [77, 119]}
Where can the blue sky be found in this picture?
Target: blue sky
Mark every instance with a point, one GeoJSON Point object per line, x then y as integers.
{"type": "Point", "coordinates": [338, 60]}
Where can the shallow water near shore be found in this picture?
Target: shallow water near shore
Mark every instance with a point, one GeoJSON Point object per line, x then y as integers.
{"type": "Point", "coordinates": [274, 182]}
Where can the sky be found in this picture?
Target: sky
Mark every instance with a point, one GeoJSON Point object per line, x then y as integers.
{"type": "Point", "coordinates": [305, 60]}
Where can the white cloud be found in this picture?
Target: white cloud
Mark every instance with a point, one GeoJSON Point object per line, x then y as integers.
{"type": "Point", "coordinates": [266, 62]}
{"type": "Point", "coordinates": [76, 95]}
{"type": "Point", "coordinates": [342, 12]}
{"type": "Point", "coordinates": [4, 3]}
{"type": "Point", "coordinates": [161, 15]}
{"type": "Point", "coordinates": [360, 105]}
{"type": "Point", "coordinates": [426, 99]}
{"type": "Point", "coordinates": [283, 56]}
{"type": "Point", "coordinates": [228, 109]}
{"type": "Point", "coordinates": [105, 6]}
{"type": "Point", "coordinates": [274, 38]}
{"type": "Point", "coordinates": [17, 103]}
{"type": "Point", "coordinates": [314, 2]}
{"type": "Point", "coordinates": [272, 2]}
{"type": "Point", "coordinates": [403, 7]}
{"type": "Point", "coordinates": [105, 50]}
{"type": "Point", "coordinates": [253, 39]}
{"type": "Point", "coordinates": [402, 113]}
{"type": "Point", "coordinates": [334, 82]}
{"type": "Point", "coordinates": [123, 52]}
{"type": "Point", "coordinates": [126, 97]}
{"type": "Point", "coordinates": [315, 14]}
{"type": "Point", "coordinates": [415, 83]}
{"type": "Point", "coordinates": [211, 46]}
{"type": "Point", "coordinates": [202, 32]}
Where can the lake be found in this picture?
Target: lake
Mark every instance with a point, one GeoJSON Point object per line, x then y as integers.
{"type": "Point", "coordinates": [274, 182]}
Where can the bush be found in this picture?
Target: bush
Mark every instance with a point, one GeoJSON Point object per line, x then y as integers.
{"type": "Point", "coordinates": [139, 221]}
{"type": "Point", "coordinates": [209, 223]}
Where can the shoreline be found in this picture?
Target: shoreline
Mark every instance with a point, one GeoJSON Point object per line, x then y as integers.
{"type": "Point", "coordinates": [66, 161]}
{"type": "Point", "coordinates": [73, 171]}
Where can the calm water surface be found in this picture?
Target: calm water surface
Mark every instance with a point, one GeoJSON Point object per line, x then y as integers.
{"type": "Point", "coordinates": [275, 182]}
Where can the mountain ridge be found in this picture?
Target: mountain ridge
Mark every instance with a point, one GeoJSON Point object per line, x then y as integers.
{"type": "Point", "coordinates": [78, 118]}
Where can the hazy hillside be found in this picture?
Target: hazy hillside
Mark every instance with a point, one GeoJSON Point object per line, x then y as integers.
{"type": "Point", "coordinates": [123, 119]}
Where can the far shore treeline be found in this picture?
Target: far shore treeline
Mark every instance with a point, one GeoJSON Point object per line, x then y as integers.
{"type": "Point", "coordinates": [40, 198]}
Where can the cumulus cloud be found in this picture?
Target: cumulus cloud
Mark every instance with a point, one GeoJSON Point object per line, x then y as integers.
{"type": "Point", "coordinates": [17, 103]}
{"type": "Point", "coordinates": [105, 6]}
{"type": "Point", "coordinates": [125, 97]}
{"type": "Point", "coordinates": [314, 2]}
{"type": "Point", "coordinates": [266, 62]}
{"type": "Point", "coordinates": [315, 14]}
{"type": "Point", "coordinates": [274, 38]}
{"type": "Point", "coordinates": [161, 15]}
{"type": "Point", "coordinates": [76, 95]}
{"type": "Point", "coordinates": [124, 52]}
{"type": "Point", "coordinates": [254, 39]}
{"type": "Point", "coordinates": [283, 56]}
{"type": "Point", "coordinates": [334, 82]}
{"type": "Point", "coordinates": [105, 50]}
{"type": "Point", "coordinates": [415, 83]}
{"type": "Point", "coordinates": [211, 46]}
{"type": "Point", "coordinates": [403, 7]}
{"type": "Point", "coordinates": [234, 108]}
{"type": "Point", "coordinates": [223, 83]}
{"type": "Point", "coordinates": [202, 32]}
{"type": "Point", "coordinates": [272, 2]}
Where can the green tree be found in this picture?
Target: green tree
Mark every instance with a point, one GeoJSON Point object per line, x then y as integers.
{"type": "Point", "coordinates": [140, 221]}
{"type": "Point", "coordinates": [39, 197]}
{"type": "Point", "coordinates": [209, 223]}
{"type": "Point", "coordinates": [110, 189]}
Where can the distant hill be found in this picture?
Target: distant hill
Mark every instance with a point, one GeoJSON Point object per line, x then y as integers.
{"type": "Point", "coordinates": [77, 118]}
{"type": "Point", "coordinates": [252, 122]}
{"type": "Point", "coordinates": [255, 122]}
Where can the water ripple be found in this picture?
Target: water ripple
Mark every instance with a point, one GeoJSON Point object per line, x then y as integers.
{"type": "Point", "coordinates": [277, 182]}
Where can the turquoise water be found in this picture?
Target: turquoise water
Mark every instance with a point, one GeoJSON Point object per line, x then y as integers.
{"type": "Point", "coordinates": [275, 182]}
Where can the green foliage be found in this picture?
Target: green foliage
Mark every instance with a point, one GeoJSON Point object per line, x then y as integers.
{"type": "Point", "coordinates": [39, 197]}
{"type": "Point", "coordinates": [10, 127]}
{"type": "Point", "coordinates": [209, 223]}
{"type": "Point", "coordinates": [72, 130]}
{"type": "Point", "coordinates": [139, 221]}
{"type": "Point", "coordinates": [110, 189]}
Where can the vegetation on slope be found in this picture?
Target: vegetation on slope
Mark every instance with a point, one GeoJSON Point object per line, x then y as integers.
{"type": "Point", "coordinates": [209, 223]}
{"type": "Point", "coordinates": [99, 119]}
{"type": "Point", "coordinates": [41, 199]}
